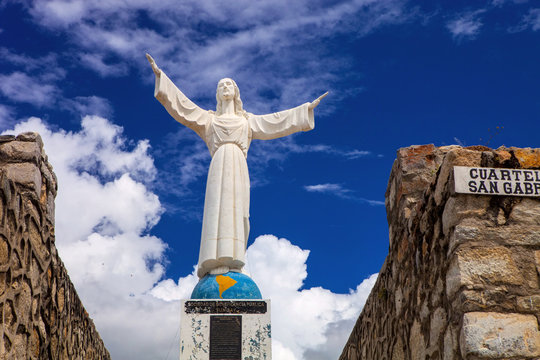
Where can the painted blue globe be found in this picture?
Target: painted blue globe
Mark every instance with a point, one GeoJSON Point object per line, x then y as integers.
{"type": "Point", "coordinates": [231, 285]}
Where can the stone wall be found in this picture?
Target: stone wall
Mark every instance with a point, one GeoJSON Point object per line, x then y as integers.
{"type": "Point", "coordinates": [41, 315]}
{"type": "Point", "coordinates": [461, 277]}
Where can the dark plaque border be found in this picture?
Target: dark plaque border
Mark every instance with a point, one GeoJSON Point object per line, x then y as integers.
{"type": "Point", "coordinates": [225, 337]}
{"type": "Point", "coordinates": [226, 307]}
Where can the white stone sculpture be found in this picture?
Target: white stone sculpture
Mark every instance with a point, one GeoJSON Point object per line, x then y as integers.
{"type": "Point", "coordinates": [227, 132]}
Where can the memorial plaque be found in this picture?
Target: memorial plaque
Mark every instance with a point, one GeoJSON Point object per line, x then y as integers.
{"type": "Point", "coordinates": [225, 337]}
{"type": "Point", "coordinates": [497, 181]}
{"type": "Point", "coordinates": [226, 307]}
{"type": "Point", "coordinates": [212, 329]}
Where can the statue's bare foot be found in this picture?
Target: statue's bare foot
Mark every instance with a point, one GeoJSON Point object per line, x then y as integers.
{"type": "Point", "coordinates": [219, 270]}
{"type": "Point", "coordinates": [235, 270]}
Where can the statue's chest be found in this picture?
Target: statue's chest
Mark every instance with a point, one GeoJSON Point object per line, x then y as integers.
{"type": "Point", "coordinates": [228, 131]}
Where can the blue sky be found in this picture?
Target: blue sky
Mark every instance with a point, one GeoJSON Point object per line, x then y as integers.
{"type": "Point", "coordinates": [132, 179]}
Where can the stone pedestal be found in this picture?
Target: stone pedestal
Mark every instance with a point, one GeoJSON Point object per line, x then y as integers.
{"type": "Point", "coordinates": [225, 329]}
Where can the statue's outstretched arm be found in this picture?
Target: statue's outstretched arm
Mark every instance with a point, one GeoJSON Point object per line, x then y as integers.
{"type": "Point", "coordinates": [176, 103]}
{"type": "Point", "coordinates": [152, 62]}
{"type": "Point", "coordinates": [286, 122]}
{"type": "Point", "coordinates": [315, 102]}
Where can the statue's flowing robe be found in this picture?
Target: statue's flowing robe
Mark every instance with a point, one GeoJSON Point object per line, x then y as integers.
{"type": "Point", "coordinates": [225, 226]}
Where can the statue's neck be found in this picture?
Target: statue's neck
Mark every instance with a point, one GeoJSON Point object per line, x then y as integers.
{"type": "Point", "coordinates": [227, 107]}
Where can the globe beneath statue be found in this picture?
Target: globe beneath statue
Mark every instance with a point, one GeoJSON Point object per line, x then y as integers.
{"type": "Point", "coordinates": [231, 285]}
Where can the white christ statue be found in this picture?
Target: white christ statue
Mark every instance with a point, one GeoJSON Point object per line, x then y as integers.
{"type": "Point", "coordinates": [227, 132]}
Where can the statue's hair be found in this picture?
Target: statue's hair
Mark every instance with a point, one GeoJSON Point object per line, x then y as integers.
{"type": "Point", "coordinates": [238, 107]}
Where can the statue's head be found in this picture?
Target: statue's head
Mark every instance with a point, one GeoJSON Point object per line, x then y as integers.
{"type": "Point", "coordinates": [228, 90]}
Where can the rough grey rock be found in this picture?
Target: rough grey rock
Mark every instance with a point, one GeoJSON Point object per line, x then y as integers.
{"type": "Point", "coordinates": [452, 256]}
{"type": "Point", "coordinates": [494, 335]}
{"type": "Point", "coordinates": [20, 151]}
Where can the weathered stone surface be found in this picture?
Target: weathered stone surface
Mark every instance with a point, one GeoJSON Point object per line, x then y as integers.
{"type": "Point", "coordinates": [450, 345]}
{"type": "Point", "coordinates": [417, 342]}
{"type": "Point", "coordinates": [398, 300]}
{"type": "Point", "coordinates": [482, 266]}
{"type": "Point", "coordinates": [49, 176]}
{"type": "Point", "coordinates": [6, 138]}
{"type": "Point", "coordinates": [23, 302]}
{"type": "Point", "coordinates": [529, 303]}
{"type": "Point", "coordinates": [20, 151]}
{"type": "Point", "coordinates": [30, 136]}
{"type": "Point", "coordinates": [41, 315]}
{"type": "Point", "coordinates": [537, 260]}
{"type": "Point", "coordinates": [4, 251]}
{"type": "Point", "coordinates": [34, 234]}
{"type": "Point", "coordinates": [26, 174]}
{"type": "Point", "coordinates": [438, 324]}
{"type": "Point", "coordinates": [450, 255]}
{"type": "Point", "coordinates": [463, 234]}
{"type": "Point", "coordinates": [496, 298]}
{"type": "Point", "coordinates": [475, 233]}
{"type": "Point", "coordinates": [60, 301]}
{"type": "Point", "coordinates": [462, 206]}
{"type": "Point", "coordinates": [19, 346]}
{"type": "Point", "coordinates": [397, 350]}
{"type": "Point", "coordinates": [34, 342]}
{"type": "Point", "coordinates": [437, 294]}
{"type": "Point", "coordinates": [528, 158]}
{"type": "Point", "coordinates": [526, 212]}
{"type": "Point", "coordinates": [455, 157]}
{"type": "Point", "coordinates": [494, 335]}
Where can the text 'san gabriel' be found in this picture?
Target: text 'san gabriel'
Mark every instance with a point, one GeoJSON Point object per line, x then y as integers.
{"type": "Point", "coordinates": [492, 181]}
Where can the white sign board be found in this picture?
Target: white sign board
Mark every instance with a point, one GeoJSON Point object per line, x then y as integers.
{"type": "Point", "coordinates": [490, 181]}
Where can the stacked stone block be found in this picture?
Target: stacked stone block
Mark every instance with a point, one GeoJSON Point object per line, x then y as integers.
{"type": "Point", "coordinates": [41, 316]}
{"type": "Point", "coordinates": [461, 277]}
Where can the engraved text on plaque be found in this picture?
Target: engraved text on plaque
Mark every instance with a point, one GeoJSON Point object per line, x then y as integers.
{"type": "Point", "coordinates": [225, 337]}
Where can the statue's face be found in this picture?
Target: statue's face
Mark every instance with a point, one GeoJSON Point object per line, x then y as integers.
{"type": "Point", "coordinates": [225, 89]}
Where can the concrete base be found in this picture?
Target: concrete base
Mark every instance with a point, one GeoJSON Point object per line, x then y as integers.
{"type": "Point", "coordinates": [225, 329]}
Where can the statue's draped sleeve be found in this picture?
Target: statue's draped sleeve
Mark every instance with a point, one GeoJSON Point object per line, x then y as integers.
{"type": "Point", "coordinates": [179, 106]}
{"type": "Point", "coordinates": [283, 123]}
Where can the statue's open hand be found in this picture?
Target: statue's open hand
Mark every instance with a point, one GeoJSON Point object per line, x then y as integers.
{"type": "Point", "coordinates": [316, 102]}
{"type": "Point", "coordinates": [152, 62]}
